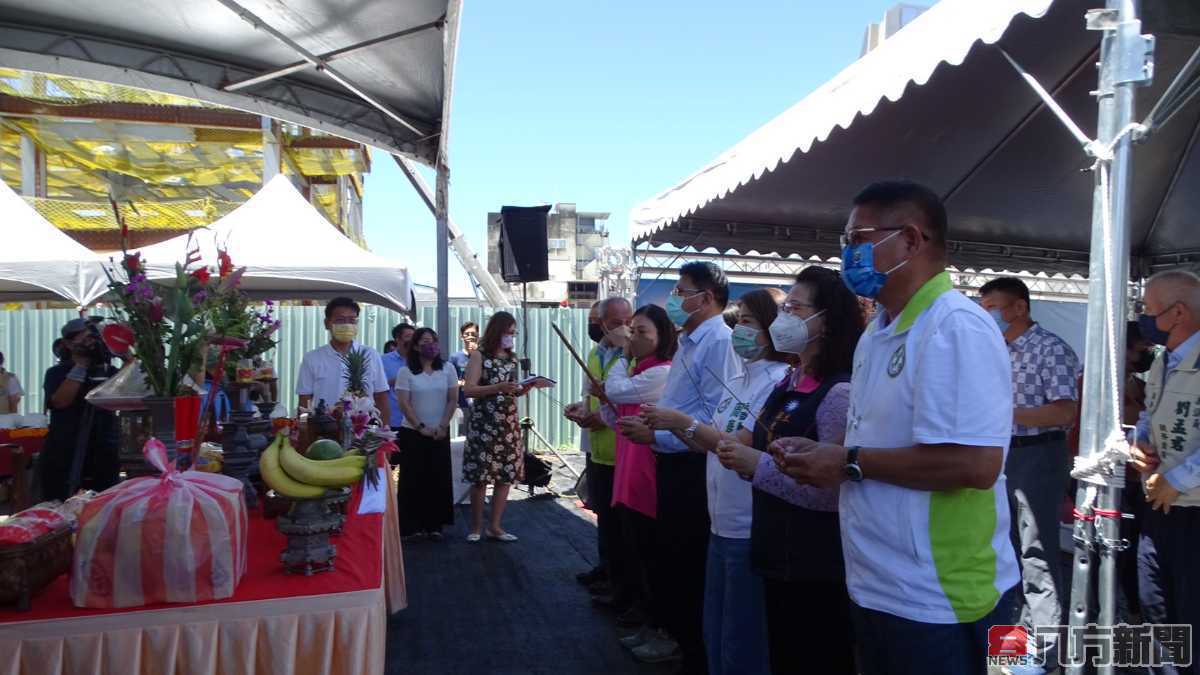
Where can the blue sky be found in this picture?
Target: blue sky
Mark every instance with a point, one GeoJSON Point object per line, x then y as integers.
{"type": "Point", "coordinates": [606, 102]}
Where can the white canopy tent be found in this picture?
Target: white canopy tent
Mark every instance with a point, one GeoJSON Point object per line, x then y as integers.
{"type": "Point", "coordinates": [289, 250]}
{"type": "Point", "coordinates": [379, 72]}
{"type": "Point", "coordinates": [39, 262]}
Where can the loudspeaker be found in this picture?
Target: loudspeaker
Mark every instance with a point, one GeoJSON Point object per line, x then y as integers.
{"type": "Point", "coordinates": [523, 246]}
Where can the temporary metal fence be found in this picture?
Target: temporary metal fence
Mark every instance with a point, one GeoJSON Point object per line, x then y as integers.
{"type": "Point", "coordinates": [26, 337]}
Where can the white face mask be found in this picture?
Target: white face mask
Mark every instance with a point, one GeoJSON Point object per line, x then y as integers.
{"type": "Point", "coordinates": [790, 333]}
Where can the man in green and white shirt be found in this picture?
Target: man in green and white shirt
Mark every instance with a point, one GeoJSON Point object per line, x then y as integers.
{"type": "Point", "coordinates": [924, 509]}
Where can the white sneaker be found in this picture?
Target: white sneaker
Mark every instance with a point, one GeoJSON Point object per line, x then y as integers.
{"type": "Point", "coordinates": [637, 639]}
{"type": "Point", "coordinates": [657, 649]}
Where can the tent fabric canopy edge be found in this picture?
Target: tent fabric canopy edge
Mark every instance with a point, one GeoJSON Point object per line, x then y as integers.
{"type": "Point", "coordinates": [764, 150]}
{"type": "Point", "coordinates": [1014, 180]}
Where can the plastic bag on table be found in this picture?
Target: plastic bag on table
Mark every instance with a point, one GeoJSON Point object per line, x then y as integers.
{"type": "Point", "coordinates": [123, 391]}
{"type": "Point", "coordinates": [31, 524]}
{"type": "Point", "coordinates": [179, 537]}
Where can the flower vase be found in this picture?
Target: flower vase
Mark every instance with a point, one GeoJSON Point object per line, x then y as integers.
{"type": "Point", "coordinates": [162, 422]}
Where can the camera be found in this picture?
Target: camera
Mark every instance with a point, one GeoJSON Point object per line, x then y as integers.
{"type": "Point", "coordinates": [98, 352]}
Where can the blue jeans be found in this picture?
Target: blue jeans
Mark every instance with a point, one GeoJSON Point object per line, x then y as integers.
{"type": "Point", "coordinates": [735, 617]}
{"type": "Point", "coordinates": [890, 645]}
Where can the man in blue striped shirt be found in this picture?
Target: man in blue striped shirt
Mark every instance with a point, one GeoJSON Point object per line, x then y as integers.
{"type": "Point", "coordinates": [695, 385]}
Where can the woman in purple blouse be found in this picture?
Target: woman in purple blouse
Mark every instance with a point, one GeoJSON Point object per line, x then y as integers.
{"type": "Point", "coordinates": [795, 539]}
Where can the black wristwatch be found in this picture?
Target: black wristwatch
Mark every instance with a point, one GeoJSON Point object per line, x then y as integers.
{"type": "Point", "coordinates": [853, 471]}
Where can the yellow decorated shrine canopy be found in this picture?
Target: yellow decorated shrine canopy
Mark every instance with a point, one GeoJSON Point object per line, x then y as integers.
{"type": "Point", "coordinates": [177, 163]}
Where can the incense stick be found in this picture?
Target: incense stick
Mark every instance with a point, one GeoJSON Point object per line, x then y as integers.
{"type": "Point", "coordinates": [586, 371]}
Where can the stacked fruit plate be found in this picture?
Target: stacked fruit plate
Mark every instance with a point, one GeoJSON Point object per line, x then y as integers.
{"type": "Point", "coordinates": [327, 467]}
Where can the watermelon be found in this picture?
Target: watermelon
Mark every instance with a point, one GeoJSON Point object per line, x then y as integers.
{"type": "Point", "coordinates": [324, 448]}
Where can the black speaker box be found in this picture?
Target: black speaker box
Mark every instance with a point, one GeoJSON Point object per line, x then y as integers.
{"type": "Point", "coordinates": [523, 245]}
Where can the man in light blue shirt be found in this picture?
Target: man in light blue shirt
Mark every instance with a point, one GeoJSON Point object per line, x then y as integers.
{"type": "Point", "coordinates": [1167, 453]}
{"type": "Point", "coordinates": [393, 361]}
{"type": "Point", "coordinates": [695, 385]}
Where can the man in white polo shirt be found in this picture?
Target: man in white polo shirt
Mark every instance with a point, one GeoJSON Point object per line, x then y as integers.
{"type": "Point", "coordinates": [924, 509]}
{"type": "Point", "coordinates": [322, 373]}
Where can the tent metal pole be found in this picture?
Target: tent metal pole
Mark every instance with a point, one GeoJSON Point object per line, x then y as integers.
{"type": "Point", "coordinates": [1183, 88]}
{"type": "Point", "coordinates": [442, 208]}
{"type": "Point", "coordinates": [481, 279]}
{"type": "Point", "coordinates": [320, 64]}
{"type": "Point", "coordinates": [1124, 57]}
{"type": "Point", "coordinates": [328, 56]}
{"type": "Point", "coordinates": [441, 195]}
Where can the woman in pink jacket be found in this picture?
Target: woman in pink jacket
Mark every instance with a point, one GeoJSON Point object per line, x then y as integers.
{"type": "Point", "coordinates": [638, 379]}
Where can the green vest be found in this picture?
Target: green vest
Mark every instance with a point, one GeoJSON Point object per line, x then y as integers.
{"type": "Point", "coordinates": [1173, 403]}
{"type": "Point", "coordinates": [604, 441]}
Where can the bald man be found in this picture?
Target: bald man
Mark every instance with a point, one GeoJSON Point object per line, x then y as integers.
{"type": "Point", "coordinates": [1167, 453]}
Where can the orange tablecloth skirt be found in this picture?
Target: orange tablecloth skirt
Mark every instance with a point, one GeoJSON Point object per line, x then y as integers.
{"type": "Point", "coordinates": [324, 634]}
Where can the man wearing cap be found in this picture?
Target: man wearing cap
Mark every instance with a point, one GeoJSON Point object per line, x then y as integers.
{"type": "Point", "coordinates": [76, 425]}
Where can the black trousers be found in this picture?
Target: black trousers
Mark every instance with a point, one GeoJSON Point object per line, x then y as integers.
{"type": "Point", "coordinates": [683, 529]}
{"type": "Point", "coordinates": [1168, 559]}
{"type": "Point", "coordinates": [809, 628]}
{"type": "Point", "coordinates": [101, 469]}
{"type": "Point", "coordinates": [425, 495]}
{"type": "Point", "coordinates": [600, 490]}
{"type": "Point", "coordinates": [636, 571]}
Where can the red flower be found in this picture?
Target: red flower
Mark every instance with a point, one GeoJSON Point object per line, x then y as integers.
{"type": "Point", "coordinates": [228, 344]}
{"type": "Point", "coordinates": [155, 310]}
{"type": "Point", "coordinates": [118, 337]}
{"type": "Point", "coordinates": [201, 275]}
{"type": "Point", "coordinates": [133, 263]}
{"type": "Point", "coordinates": [226, 263]}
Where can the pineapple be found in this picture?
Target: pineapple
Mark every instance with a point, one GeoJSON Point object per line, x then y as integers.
{"type": "Point", "coordinates": [356, 373]}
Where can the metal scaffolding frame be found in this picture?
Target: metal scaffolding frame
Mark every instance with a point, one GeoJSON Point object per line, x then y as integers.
{"type": "Point", "coordinates": [654, 263]}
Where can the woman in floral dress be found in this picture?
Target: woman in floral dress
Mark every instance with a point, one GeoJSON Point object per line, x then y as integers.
{"type": "Point", "coordinates": [493, 452]}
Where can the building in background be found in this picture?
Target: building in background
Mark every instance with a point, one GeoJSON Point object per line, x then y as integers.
{"type": "Point", "coordinates": [574, 242]}
{"type": "Point", "coordinates": [171, 164]}
{"type": "Point", "coordinates": [897, 17]}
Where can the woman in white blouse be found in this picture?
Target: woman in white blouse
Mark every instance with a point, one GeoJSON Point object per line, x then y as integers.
{"type": "Point", "coordinates": [427, 391]}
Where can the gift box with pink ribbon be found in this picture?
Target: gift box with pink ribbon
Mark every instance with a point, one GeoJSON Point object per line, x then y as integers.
{"type": "Point", "coordinates": [177, 537]}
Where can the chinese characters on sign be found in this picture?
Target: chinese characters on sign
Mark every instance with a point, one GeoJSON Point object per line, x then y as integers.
{"type": "Point", "coordinates": [1123, 645]}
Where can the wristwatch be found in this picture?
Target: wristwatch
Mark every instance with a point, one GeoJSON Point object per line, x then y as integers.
{"type": "Point", "coordinates": [853, 470]}
{"type": "Point", "coordinates": [690, 432]}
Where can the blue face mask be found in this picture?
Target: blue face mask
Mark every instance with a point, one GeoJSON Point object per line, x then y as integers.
{"type": "Point", "coordinates": [675, 310]}
{"type": "Point", "coordinates": [1148, 325]}
{"type": "Point", "coordinates": [745, 342]}
{"type": "Point", "coordinates": [858, 268]}
{"type": "Point", "coordinates": [998, 316]}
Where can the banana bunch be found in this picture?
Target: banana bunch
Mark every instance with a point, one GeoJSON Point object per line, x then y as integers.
{"type": "Point", "coordinates": [293, 475]}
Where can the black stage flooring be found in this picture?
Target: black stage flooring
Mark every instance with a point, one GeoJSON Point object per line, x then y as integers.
{"type": "Point", "coordinates": [507, 608]}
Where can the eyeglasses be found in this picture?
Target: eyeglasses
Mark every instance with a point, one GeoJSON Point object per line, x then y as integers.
{"type": "Point", "coordinates": [854, 237]}
{"type": "Point", "coordinates": [686, 291]}
{"type": "Point", "coordinates": [791, 307]}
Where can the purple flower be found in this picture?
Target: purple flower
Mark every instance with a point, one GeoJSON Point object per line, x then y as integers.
{"type": "Point", "coordinates": [199, 297]}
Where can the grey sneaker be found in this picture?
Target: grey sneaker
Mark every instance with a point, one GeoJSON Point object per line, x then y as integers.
{"type": "Point", "coordinates": [657, 649]}
{"type": "Point", "coordinates": [637, 639]}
